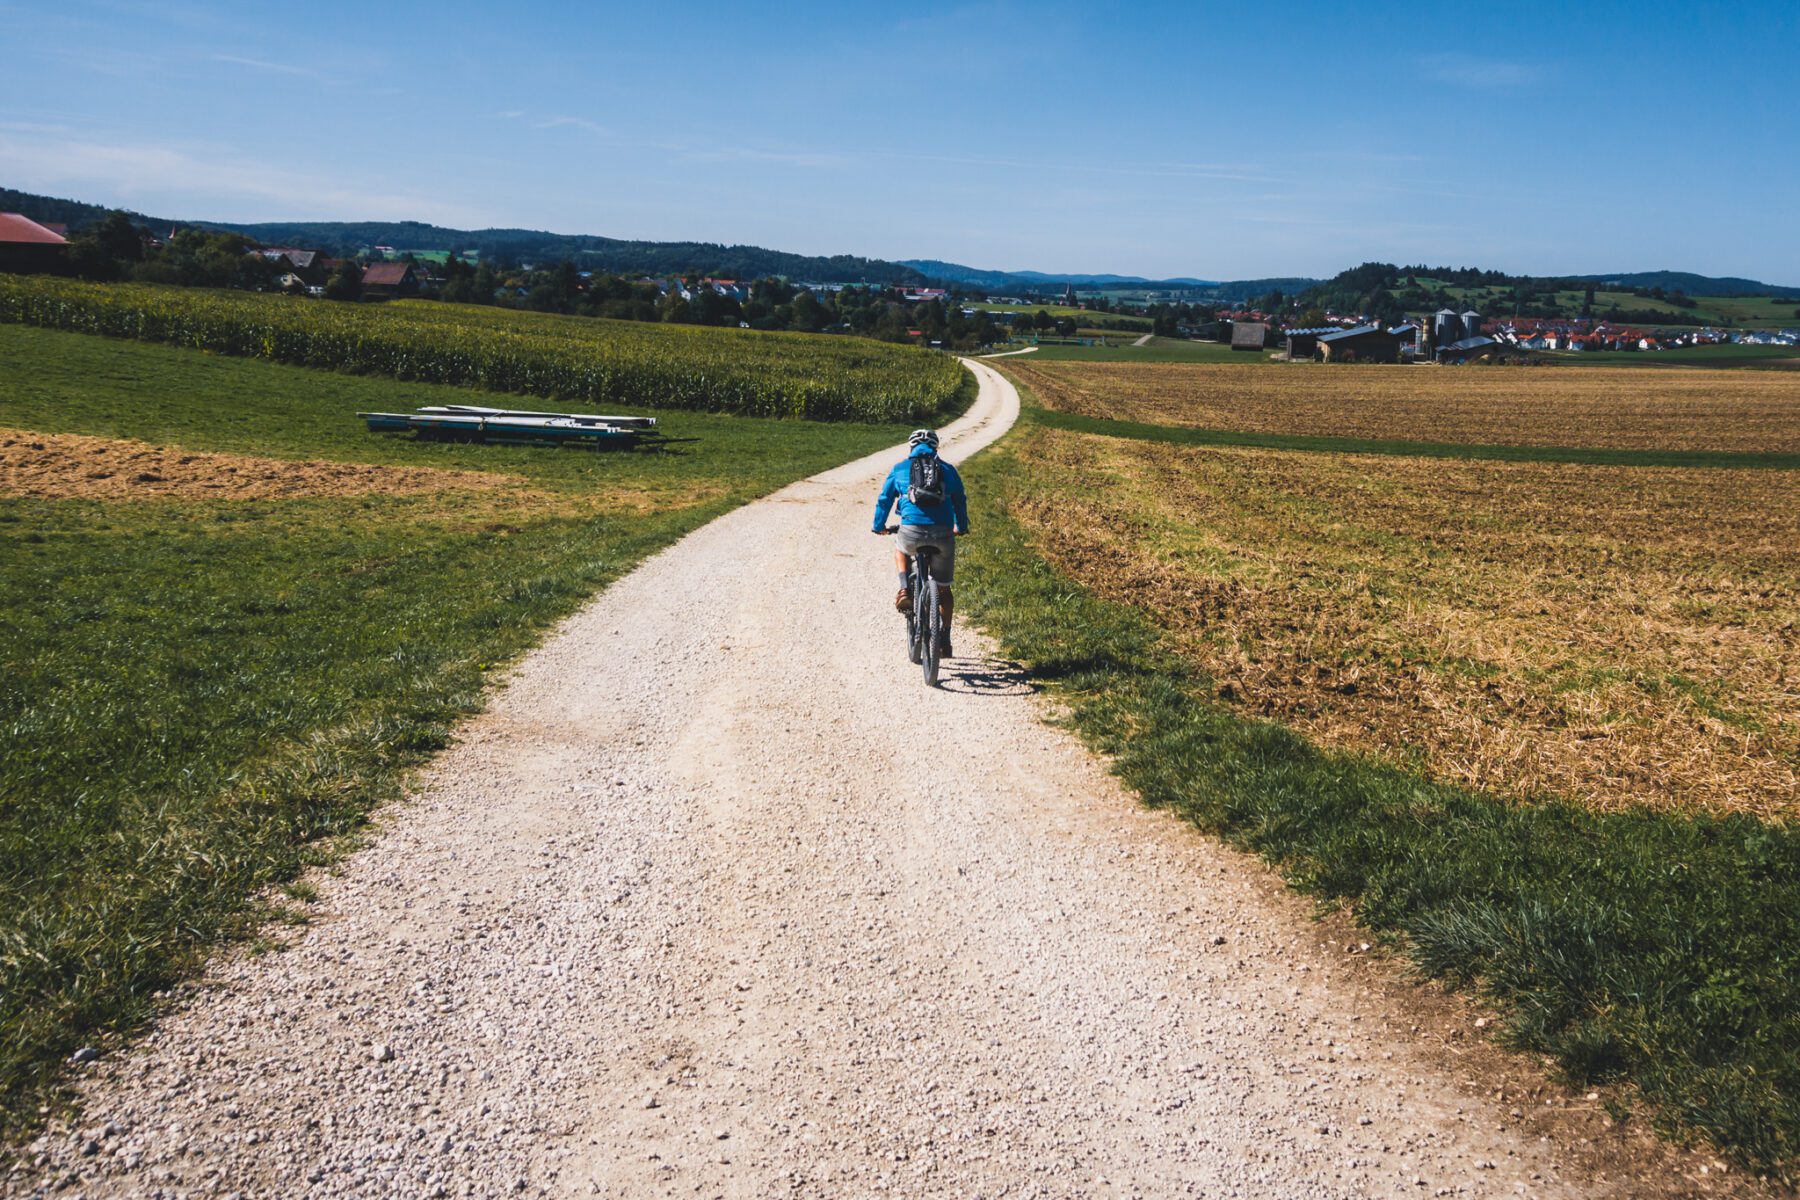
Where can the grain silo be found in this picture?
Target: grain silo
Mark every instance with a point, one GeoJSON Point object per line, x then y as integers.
{"type": "Point", "coordinates": [1446, 327]}
{"type": "Point", "coordinates": [1471, 323]}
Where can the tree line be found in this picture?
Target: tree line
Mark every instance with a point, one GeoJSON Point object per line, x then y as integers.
{"type": "Point", "coordinates": [116, 249]}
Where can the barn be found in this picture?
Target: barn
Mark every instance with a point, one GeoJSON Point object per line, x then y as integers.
{"type": "Point", "coordinates": [1365, 343]}
{"type": "Point", "coordinates": [1249, 335]}
{"type": "Point", "coordinates": [27, 248]}
{"type": "Point", "coordinates": [1302, 342]}
{"type": "Point", "coordinates": [390, 279]}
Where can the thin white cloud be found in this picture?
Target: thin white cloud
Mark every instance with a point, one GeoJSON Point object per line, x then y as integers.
{"type": "Point", "coordinates": [573, 123]}
{"type": "Point", "coordinates": [262, 64]}
{"type": "Point", "coordinates": [1479, 74]}
{"type": "Point", "coordinates": [200, 182]}
{"type": "Point", "coordinates": [743, 154]}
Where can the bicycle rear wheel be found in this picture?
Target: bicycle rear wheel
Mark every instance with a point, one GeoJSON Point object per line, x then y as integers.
{"type": "Point", "coordinates": [932, 623]}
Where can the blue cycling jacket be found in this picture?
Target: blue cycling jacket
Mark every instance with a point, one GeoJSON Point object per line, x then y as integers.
{"type": "Point", "coordinates": [954, 512]}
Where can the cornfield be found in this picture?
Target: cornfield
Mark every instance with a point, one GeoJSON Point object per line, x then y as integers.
{"type": "Point", "coordinates": [817, 377]}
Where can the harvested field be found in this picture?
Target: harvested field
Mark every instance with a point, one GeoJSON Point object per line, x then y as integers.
{"type": "Point", "coordinates": [61, 466]}
{"type": "Point", "coordinates": [1623, 637]}
{"type": "Point", "coordinates": [1549, 406]}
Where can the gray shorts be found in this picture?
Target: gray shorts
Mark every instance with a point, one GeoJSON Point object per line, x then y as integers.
{"type": "Point", "coordinates": [911, 537]}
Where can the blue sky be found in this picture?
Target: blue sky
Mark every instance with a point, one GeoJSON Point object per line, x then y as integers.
{"type": "Point", "coordinates": [1219, 141]}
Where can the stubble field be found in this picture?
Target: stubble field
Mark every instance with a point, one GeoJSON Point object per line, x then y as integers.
{"type": "Point", "coordinates": [1621, 637]}
{"type": "Point", "coordinates": [1548, 406]}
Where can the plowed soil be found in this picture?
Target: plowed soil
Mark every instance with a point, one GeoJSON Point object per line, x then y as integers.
{"type": "Point", "coordinates": [64, 466]}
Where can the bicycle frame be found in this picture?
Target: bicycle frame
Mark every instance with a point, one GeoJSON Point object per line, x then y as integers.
{"type": "Point", "coordinates": [924, 620]}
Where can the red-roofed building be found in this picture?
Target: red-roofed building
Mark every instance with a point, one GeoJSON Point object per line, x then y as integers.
{"type": "Point", "coordinates": [27, 248]}
{"type": "Point", "coordinates": [390, 279]}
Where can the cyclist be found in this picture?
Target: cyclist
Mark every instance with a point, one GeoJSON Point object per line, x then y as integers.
{"type": "Point", "coordinates": [928, 516]}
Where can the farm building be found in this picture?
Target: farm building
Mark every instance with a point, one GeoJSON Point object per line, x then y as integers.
{"type": "Point", "coordinates": [390, 279]}
{"type": "Point", "coordinates": [1366, 343]}
{"type": "Point", "coordinates": [1469, 348]}
{"type": "Point", "coordinates": [27, 248]}
{"type": "Point", "coordinates": [307, 265]}
{"type": "Point", "coordinates": [1249, 335]}
{"type": "Point", "coordinates": [1302, 342]}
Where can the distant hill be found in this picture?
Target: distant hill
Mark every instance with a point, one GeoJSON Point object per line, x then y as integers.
{"type": "Point", "coordinates": [1234, 291]}
{"type": "Point", "coordinates": [1110, 280]}
{"type": "Point", "coordinates": [73, 213]}
{"type": "Point", "coordinates": [1037, 281]}
{"type": "Point", "coordinates": [1654, 298]}
{"type": "Point", "coordinates": [751, 262]}
{"type": "Point", "coordinates": [522, 245]}
{"type": "Point", "coordinates": [1693, 285]}
{"type": "Point", "coordinates": [1240, 290]}
{"type": "Point", "coordinates": [614, 255]}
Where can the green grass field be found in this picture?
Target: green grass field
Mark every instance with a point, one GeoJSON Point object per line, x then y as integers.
{"type": "Point", "coordinates": [1160, 349]}
{"type": "Point", "coordinates": [1079, 315]}
{"type": "Point", "coordinates": [1766, 357]}
{"type": "Point", "coordinates": [202, 694]}
{"type": "Point", "coordinates": [1747, 312]}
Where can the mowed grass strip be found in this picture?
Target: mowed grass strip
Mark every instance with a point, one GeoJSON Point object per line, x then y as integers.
{"type": "Point", "coordinates": [1657, 947]}
{"type": "Point", "coordinates": [198, 692]}
{"type": "Point", "coordinates": [1661, 411]}
{"type": "Point", "coordinates": [1188, 435]}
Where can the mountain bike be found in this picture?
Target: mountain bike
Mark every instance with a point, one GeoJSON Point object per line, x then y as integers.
{"type": "Point", "coordinates": [924, 619]}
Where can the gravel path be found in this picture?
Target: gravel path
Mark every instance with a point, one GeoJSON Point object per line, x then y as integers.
{"type": "Point", "coordinates": [699, 908]}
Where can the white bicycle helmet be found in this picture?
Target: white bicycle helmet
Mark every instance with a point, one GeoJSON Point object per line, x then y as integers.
{"type": "Point", "coordinates": [928, 436]}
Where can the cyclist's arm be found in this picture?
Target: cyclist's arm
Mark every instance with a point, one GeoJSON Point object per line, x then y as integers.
{"type": "Point", "coordinates": [959, 499]}
{"type": "Point", "coordinates": [884, 502]}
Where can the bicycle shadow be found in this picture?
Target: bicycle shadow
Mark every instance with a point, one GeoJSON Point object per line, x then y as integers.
{"type": "Point", "coordinates": [986, 677]}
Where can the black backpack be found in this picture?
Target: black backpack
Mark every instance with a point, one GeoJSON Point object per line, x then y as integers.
{"type": "Point", "coordinates": [925, 484]}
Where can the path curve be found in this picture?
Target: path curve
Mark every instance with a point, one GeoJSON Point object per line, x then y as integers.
{"type": "Point", "coordinates": [717, 899]}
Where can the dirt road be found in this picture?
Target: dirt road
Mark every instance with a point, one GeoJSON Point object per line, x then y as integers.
{"type": "Point", "coordinates": [718, 900]}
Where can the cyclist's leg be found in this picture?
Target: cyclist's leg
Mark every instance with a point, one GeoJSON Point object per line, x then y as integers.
{"type": "Point", "coordinates": [943, 568]}
{"type": "Point", "coordinates": [902, 567]}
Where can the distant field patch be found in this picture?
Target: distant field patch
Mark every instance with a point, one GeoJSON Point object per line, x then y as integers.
{"type": "Point", "coordinates": [62, 466]}
{"type": "Point", "coordinates": [1593, 407]}
{"type": "Point", "coordinates": [1083, 316]}
{"type": "Point", "coordinates": [1157, 350]}
{"type": "Point", "coordinates": [1762, 358]}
